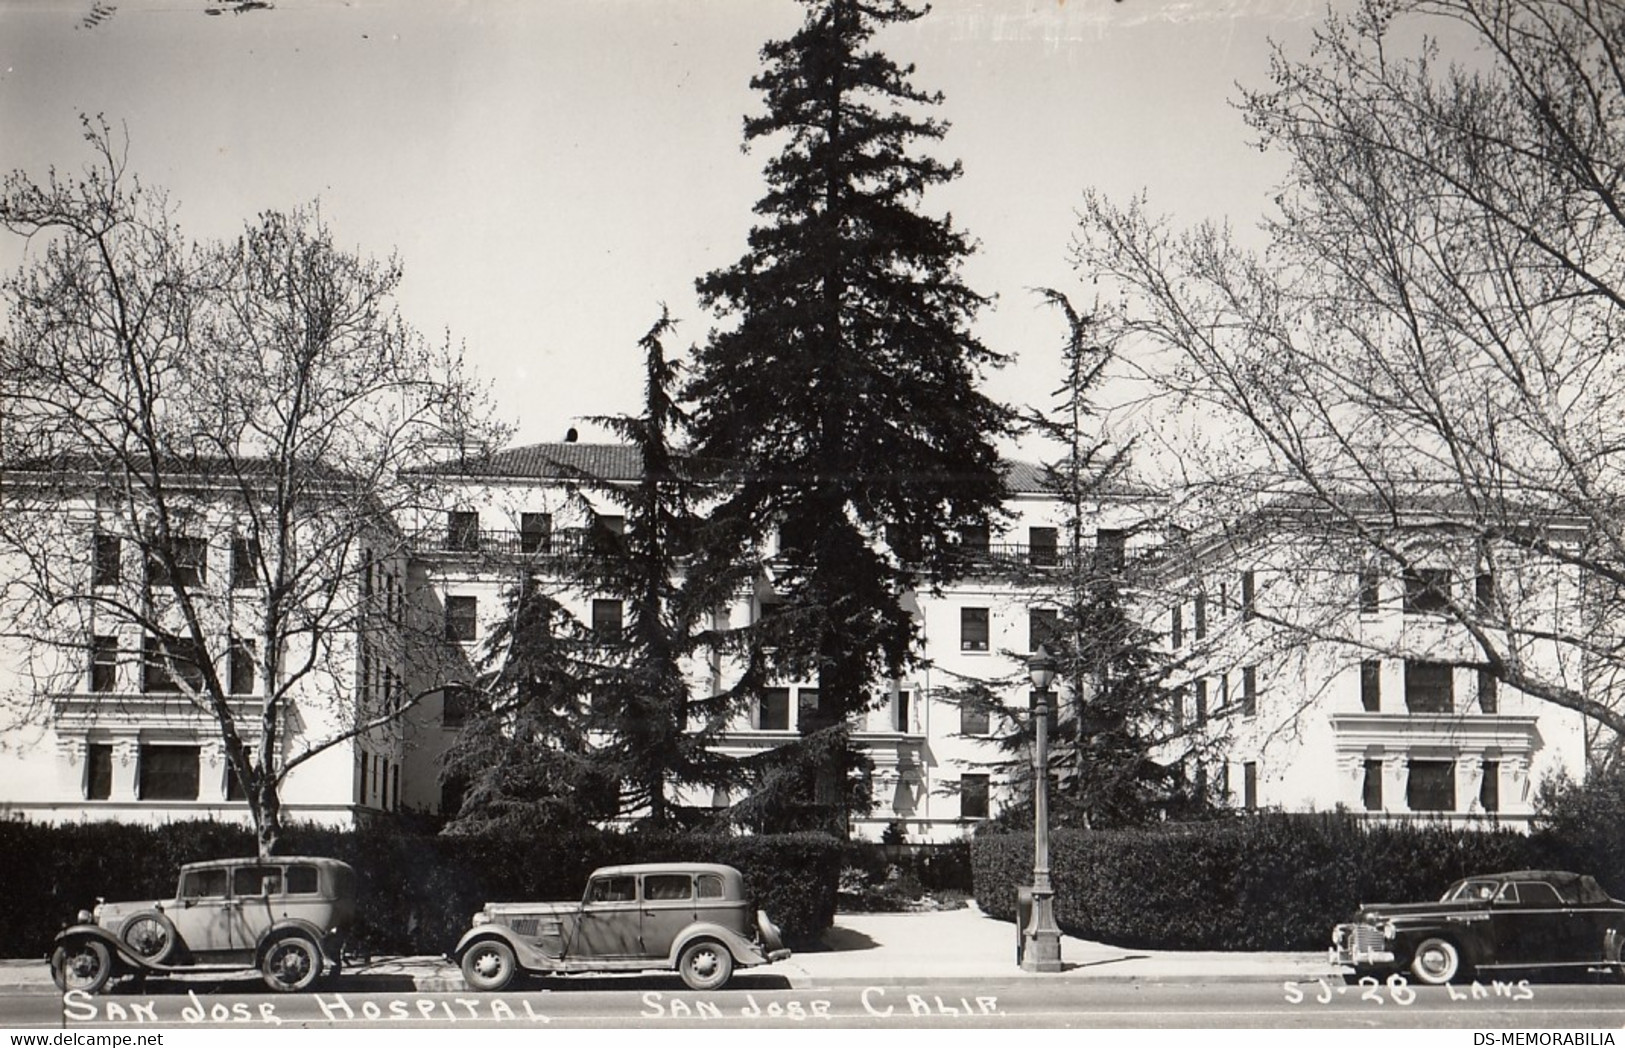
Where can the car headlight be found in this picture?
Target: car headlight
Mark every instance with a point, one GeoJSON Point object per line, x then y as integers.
{"type": "Point", "coordinates": [84, 917]}
{"type": "Point", "coordinates": [1388, 931]}
{"type": "Point", "coordinates": [480, 918]}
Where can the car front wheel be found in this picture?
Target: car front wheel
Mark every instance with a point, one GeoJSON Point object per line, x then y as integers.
{"type": "Point", "coordinates": [291, 965]}
{"type": "Point", "coordinates": [150, 936]}
{"type": "Point", "coordinates": [489, 966]}
{"type": "Point", "coordinates": [1436, 961]}
{"type": "Point", "coordinates": [83, 965]}
{"type": "Point", "coordinates": [705, 965]}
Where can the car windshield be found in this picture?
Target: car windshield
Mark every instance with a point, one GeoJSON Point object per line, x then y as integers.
{"type": "Point", "coordinates": [1472, 889]}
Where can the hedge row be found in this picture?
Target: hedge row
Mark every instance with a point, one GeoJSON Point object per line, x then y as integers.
{"type": "Point", "coordinates": [415, 892]}
{"type": "Point", "coordinates": [1274, 882]}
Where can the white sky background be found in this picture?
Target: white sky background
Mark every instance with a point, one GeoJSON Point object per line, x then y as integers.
{"type": "Point", "coordinates": [551, 171]}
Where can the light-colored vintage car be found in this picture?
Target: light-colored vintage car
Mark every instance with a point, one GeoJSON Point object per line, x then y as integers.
{"type": "Point", "coordinates": [285, 916]}
{"type": "Point", "coordinates": [696, 918]}
{"type": "Point", "coordinates": [1491, 923]}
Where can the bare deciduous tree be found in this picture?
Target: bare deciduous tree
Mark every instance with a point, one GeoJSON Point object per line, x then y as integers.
{"type": "Point", "coordinates": [1423, 371]}
{"type": "Point", "coordinates": [206, 449]}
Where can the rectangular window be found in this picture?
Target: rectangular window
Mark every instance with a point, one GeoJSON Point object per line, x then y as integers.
{"type": "Point", "coordinates": [535, 532]}
{"type": "Point", "coordinates": [243, 666]}
{"type": "Point", "coordinates": [1201, 615]}
{"type": "Point", "coordinates": [1201, 701]}
{"type": "Point", "coordinates": [1427, 590]}
{"type": "Point", "coordinates": [462, 530]}
{"type": "Point", "coordinates": [1042, 547]}
{"type": "Point", "coordinates": [807, 708]}
{"type": "Point", "coordinates": [973, 796]}
{"type": "Point", "coordinates": [1249, 785]}
{"type": "Point", "coordinates": [1428, 687]}
{"type": "Point", "coordinates": [168, 773]}
{"type": "Point", "coordinates": [1370, 589]}
{"type": "Point", "coordinates": [900, 710]}
{"type": "Point", "coordinates": [245, 563]}
{"type": "Point", "coordinates": [1371, 685]}
{"type": "Point", "coordinates": [773, 710]}
{"type": "Point", "coordinates": [106, 554]}
{"type": "Point", "coordinates": [1431, 786]}
{"type": "Point", "coordinates": [1249, 691]}
{"type": "Point", "coordinates": [462, 618]}
{"type": "Point", "coordinates": [1489, 790]}
{"type": "Point", "coordinates": [191, 556]}
{"type": "Point", "coordinates": [1248, 595]}
{"type": "Point", "coordinates": [104, 664]}
{"type": "Point", "coordinates": [456, 705]}
{"type": "Point", "coordinates": [1371, 792]}
{"type": "Point", "coordinates": [973, 629]}
{"type": "Point", "coordinates": [1179, 706]}
{"type": "Point", "coordinates": [1484, 593]}
{"type": "Point", "coordinates": [1041, 626]}
{"type": "Point", "coordinates": [98, 771]}
{"type": "Point", "coordinates": [1111, 545]}
{"type": "Point", "coordinates": [234, 785]}
{"type": "Point", "coordinates": [1489, 695]}
{"type": "Point", "coordinates": [973, 540]}
{"type": "Point", "coordinates": [166, 667]}
{"type": "Point", "coordinates": [606, 619]}
{"type": "Point", "coordinates": [1176, 631]}
{"type": "Point", "coordinates": [974, 719]}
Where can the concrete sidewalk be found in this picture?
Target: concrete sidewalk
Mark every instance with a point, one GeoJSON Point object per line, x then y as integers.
{"type": "Point", "coordinates": [898, 948]}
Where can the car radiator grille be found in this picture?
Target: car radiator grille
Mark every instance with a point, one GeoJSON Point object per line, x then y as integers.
{"type": "Point", "coordinates": [1365, 939]}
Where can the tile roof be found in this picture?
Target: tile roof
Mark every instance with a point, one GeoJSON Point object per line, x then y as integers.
{"type": "Point", "coordinates": [619, 462]}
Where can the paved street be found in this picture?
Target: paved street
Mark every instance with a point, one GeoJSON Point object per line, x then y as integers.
{"type": "Point", "coordinates": [949, 969]}
{"type": "Point", "coordinates": [664, 1002]}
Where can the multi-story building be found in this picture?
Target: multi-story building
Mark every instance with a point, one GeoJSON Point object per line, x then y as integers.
{"type": "Point", "coordinates": [1315, 687]}
{"type": "Point", "coordinates": [1347, 680]}
{"type": "Point", "coordinates": [934, 767]}
{"type": "Point", "coordinates": [107, 714]}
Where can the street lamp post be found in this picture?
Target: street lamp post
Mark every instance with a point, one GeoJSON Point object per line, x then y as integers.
{"type": "Point", "coordinates": [1041, 940]}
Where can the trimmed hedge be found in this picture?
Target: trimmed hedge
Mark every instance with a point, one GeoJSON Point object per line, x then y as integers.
{"type": "Point", "coordinates": [1271, 882]}
{"type": "Point", "coordinates": [415, 892]}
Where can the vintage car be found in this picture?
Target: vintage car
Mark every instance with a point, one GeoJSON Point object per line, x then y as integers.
{"type": "Point", "coordinates": [285, 916]}
{"type": "Point", "coordinates": [1526, 919]}
{"type": "Point", "coordinates": [694, 917]}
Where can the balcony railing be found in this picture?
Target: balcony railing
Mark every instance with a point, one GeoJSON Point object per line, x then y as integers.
{"type": "Point", "coordinates": [1019, 557]}
{"type": "Point", "coordinates": [565, 544]}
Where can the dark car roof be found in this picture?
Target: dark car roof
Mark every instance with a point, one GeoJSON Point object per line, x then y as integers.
{"type": "Point", "coordinates": [1555, 876]}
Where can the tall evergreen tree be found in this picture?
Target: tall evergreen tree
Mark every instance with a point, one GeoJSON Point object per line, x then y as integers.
{"type": "Point", "coordinates": [587, 722]}
{"type": "Point", "coordinates": [1117, 747]}
{"type": "Point", "coordinates": [842, 396]}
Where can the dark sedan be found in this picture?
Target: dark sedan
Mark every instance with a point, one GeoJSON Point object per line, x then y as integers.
{"type": "Point", "coordinates": [1522, 920]}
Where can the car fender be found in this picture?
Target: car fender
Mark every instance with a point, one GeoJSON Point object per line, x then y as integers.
{"type": "Point", "coordinates": [745, 952]}
{"type": "Point", "coordinates": [1467, 939]}
{"type": "Point", "coordinates": [120, 951]}
{"type": "Point", "coordinates": [524, 951]}
{"type": "Point", "coordinates": [293, 925]}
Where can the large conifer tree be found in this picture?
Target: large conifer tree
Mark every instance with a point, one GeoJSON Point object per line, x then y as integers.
{"type": "Point", "coordinates": [841, 392]}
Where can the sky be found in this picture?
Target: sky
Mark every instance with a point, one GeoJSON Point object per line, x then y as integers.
{"type": "Point", "coordinates": [551, 172]}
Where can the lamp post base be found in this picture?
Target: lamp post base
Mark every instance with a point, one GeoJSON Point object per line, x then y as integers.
{"type": "Point", "coordinates": [1041, 940]}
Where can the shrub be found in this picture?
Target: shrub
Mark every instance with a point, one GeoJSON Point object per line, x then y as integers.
{"type": "Point", "coordinates": [1271, 882]}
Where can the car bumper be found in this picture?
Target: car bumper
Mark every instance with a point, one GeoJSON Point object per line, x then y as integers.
{"type": "Point", "coordinates": [1360, 958]}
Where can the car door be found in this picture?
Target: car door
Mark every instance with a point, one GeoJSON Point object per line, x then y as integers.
{"type": "Point", "coordinates": [257, 891]}
{"type": "Point", "coordinates": [668, 908]}
{"type": "Point", "coordinates": [610, 922]}
{"type": "Point", "coordinates": [1529, 924]}
{"type": "Point", "coordinates": [204, 912]}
